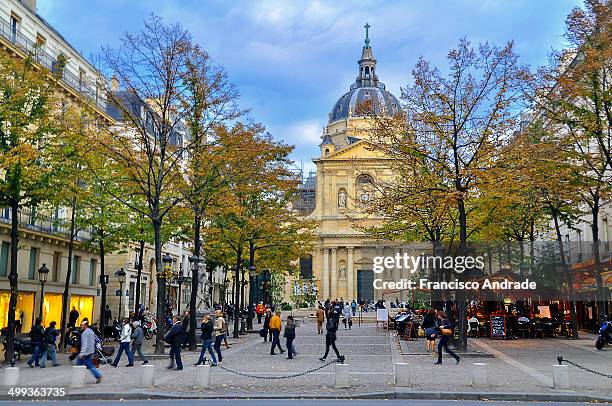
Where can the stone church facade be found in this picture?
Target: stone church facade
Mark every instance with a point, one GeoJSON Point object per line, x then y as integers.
{"type": "Point", "coordinates": [347, 168]}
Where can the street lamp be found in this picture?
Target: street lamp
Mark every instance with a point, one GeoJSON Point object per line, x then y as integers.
{"type": "Point", "coordinates": [167, 260]}
{"type": "Point", "coordinates": [42, 278]}
{"type": "Point", "coordinates": [252, 287]}
{"type": "Point", "coordinates": [179, 279]}
{"type": "Point", "coordinates": [120, 274]}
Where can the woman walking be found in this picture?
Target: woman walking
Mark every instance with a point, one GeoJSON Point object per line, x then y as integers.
{"type": "Point", "coordinates": [290, 336]}
{"type": "Point", "coordinates": [219, 330]}
{"type": "Point", "coordinates": [207, 341]}
{"type": "Point", "coordinates": [330, 337]}
{"type": "Point", "coordinates": [445, 332]}
{"type": "Point", "coordinates": [429, 326]}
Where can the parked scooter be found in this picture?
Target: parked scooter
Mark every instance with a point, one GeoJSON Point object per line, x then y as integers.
{"type": "Point", "coordinates": [149, 327]}
{"type": "Point", "coordinates": [605, 335]}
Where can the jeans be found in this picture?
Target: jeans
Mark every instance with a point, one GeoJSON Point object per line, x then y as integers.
{"type": "Point", "coordinates": [207, 345]}
{"type": "Point", "coordinates": [49, 349]}
{"type": "Point", "coordinates": [36, 350]}
{"type": "Point", "coordinates": [276, 342]}
{"type": "Point", "coordinates": [175, 356]}
{"type": "Point", "coordinates": [258, 318]}
{"type": "Point", "coordinates": [290, 347]}
{"type": "Point", "coordinates": [218, 340]}
{"type": "Point", "coordinates": [124, 347]}
{"type": "Point", "coordinates": [86, 360]}
{"type": "Point", "coordinates": [353, 310]}
{"type": "Point", "coordinates": [444, 343]}
{"type": "Point", "coordinates": [137, 349]}
{"type": "Point", "coordinates": [330, 341]}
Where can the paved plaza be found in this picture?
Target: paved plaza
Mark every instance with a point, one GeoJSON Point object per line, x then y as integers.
{"type": "Point", "coordinates": [522, 366]}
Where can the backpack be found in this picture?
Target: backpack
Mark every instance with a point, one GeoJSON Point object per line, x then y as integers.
{"type": "Point", "coordinates": [224, 328]}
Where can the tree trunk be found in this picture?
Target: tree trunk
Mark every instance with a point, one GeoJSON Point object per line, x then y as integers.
{"type": "Point", "coordinates": [13, 280]}
{"type": "Point", "coordinates": [139, 267]}
{"type": "Point", "coordinates": [195, 278]}
{"type": "Point", "coordinates": [102, 285]}
{"type": "Point", "coordinates": [68, 275]}
{"type": "Point", "coordinates": [568, 272]}
{"type": "Point", "coordinates": [161, 290]}
{"type": "Point", "coordinates": [602, 305]}
{"type": "Point", "coordinates": [237, 293]}
{"type": "Point", "coordinates": [461, 294]}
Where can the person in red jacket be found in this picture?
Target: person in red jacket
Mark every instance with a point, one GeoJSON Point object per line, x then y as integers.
{"type": "Point", "coordinates": [259, 309]}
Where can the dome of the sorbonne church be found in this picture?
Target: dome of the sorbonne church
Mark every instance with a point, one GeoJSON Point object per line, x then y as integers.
{"type": "Point", "coordinates": [367, 95]}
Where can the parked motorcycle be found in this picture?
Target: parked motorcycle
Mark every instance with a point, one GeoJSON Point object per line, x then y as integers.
{"type": "Point", "coordinates": [605, 335]}
{"type": "Point", "coordinates": [149, 327]}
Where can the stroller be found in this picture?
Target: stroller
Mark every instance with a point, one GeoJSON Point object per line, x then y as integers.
{"type": "Point", "coordinates": [103, 353]}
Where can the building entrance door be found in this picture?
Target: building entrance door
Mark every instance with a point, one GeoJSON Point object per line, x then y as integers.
{"type": "Point", "coordinates": [365, 285]}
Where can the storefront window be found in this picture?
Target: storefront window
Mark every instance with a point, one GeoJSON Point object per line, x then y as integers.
{"type": "Point", "coordinates": [84, 305]}
{"type": "Point", "coordinates": [23, 312]}
{"type": "Point", "coordinates": [52, 308]}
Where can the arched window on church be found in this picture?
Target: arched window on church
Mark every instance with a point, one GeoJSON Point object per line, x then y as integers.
{"type": "Point", "coordinates": [326, 151]}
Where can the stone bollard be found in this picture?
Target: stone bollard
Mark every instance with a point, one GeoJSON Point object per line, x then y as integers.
{"type": "Point", "coordinates": [401, 372]}
{"type": "Point", "coordinates": [479, 374]}
{"type": "Point", "coordinates": [11, 376]}
{"type": "Point", "coordinates": [203, 376]}
{"type": "Point", "coordinates": [78, 376]}
{"type": "Point", "coordinates": [343, 378]}
{"type": "Point", "coordinates": [147, 376]}
{"type": "Point", "coordinates": [560, 377]}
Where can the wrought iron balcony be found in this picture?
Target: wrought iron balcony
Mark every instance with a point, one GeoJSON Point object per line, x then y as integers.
{"type": "Point", "coordinates": [43, 223]}
{"type": "Point", "coordinates": [50, 61]}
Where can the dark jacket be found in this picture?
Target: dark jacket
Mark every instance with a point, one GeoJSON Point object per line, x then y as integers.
{"type": "Point", "coordinates": [50, 335]}
{"type": "Point", "coordinates": [207, 330]}
{"type": "Point", "coordinates": [37, 334]}
{"type": "Point", "coordinates": [290, 329]}
{"type": "Point", "coordinates": [73, 317]}
{"type": "Point", "coordinates": [428, 321]}
{"type": "Point", "coordinates": [332, 325]}
{"type": "Point", "coordinates": [267, 321]}
{"type": "Point", "coordinates": [138, 335]}
{"type": "Point", "coordinates": [174, 337]}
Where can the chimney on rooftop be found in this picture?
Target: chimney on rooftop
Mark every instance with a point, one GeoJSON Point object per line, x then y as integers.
{"type": "Point", "coordinates": [114, 84]}
{"type": "Point", "coordinates": [30, 5]}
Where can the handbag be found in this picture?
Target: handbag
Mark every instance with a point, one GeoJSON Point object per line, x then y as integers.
{"type": "Point", "coordinates": [421, 332]}
{"type": "Point", "coordinates": [446, 331]}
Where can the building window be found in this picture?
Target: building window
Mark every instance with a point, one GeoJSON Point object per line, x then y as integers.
{"type": "Point", "coordinates": [15, 21]}
{"type": "Point", "coordinates": [5, 251]}
{"type": "Point", "coordinates": [57, 261]}
{"type": "Point", "coordinates": [40, 40]}
{"type": "Point", "coordinates": [92, 271]}
{"type": "Point", "coordinates": [34, 253]}
{"type": "Point", "coordinates": [76, 264]}
{"type": "Point", "coordinates": [82, 77]}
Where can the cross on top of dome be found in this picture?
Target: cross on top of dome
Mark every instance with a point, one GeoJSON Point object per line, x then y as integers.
{"type": "Point", "coordinates": [367, 40]}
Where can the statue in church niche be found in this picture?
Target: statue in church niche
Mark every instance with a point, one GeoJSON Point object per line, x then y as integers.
{"type": "Point", "coordinates": [342, 198]}
{"type": "Point", "coordinates": [342, 270]}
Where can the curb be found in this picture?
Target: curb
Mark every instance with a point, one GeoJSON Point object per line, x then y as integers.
{"type": "Point", "coordinates": [389, 395]}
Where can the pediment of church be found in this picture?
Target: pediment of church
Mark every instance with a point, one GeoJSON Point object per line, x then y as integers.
{"type": "Point", "coordinates": [363, 261]}
{"type": "Point", "coordinates": [360, 149]}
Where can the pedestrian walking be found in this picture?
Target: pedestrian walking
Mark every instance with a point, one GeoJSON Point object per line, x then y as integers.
{"type": "Point", "coordinates": [185, 323]}
{"type": "Point", "coordinates": [330, 337]}
{"type": "Point", "coordinates": [125, 338]}
{"type": "Point", "coordinates": [51, 334]}
{"type": "Point", "coordinates": [219, 331]}
{"type": "Point", "coordinates": [266, 326]}
{"type": "Point", "coordinates": [290, 336]}
{"type": "Point", "coordinates": [88, 346]}
{"type": "Point", "coordinates": [275, 328]}
{"type": "Point", "coordinates": [138, 337]}
{"type": "Point", "coordinates": [354, 307]}
{"type": "Point", "coordinates": [37, 338]}
{"type": "Point", "coordinates": [320, 319]}
{"type": "Point", "coordinates": [260, 309]}
{"type": "Point", "coordinates": [207, 329]}
{"type": "Point", "coordinates": [446, 330]}
{"type": "Point", "coordinates": [429, 325]}
{"type": "Point", "coordinates": [347, 313]}
{"type": "Point", "coordinates": [174, 337]}
{"type": "Point", "coordinates": [108, 315]}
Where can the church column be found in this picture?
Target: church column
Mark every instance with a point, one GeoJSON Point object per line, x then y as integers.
{"type": "Point", "coordinates": [334, 274]}
{"type": "Point", "coordinates": [350, 276]}
{"type": "Point", "coordinates": [325, 282]}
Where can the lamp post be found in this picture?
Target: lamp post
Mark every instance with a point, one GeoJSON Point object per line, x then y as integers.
{"type": "Point", "coordinates": [252, 288]}
{"type": "Point", "coordinates": [42, 277]}
{"type": "Point", "coordinates": [167, 260]}
{"type": "Point", "coordinates": [120, 274]}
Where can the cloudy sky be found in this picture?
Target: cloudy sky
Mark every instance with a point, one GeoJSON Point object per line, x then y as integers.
{"type": "Point", "coordinates": [293, 59]}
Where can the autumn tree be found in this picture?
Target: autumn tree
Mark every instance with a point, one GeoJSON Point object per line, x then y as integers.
{"type": "Point", "coordinates": [29, 111]}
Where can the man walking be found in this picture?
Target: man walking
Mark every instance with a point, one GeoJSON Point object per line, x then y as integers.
{"type": "Point", "coordinates": [124, 344]}
{"type": "Point", "coordinates": [445, 331]}
{"type": "Point", "coordinates": [174, 337]}
{"type": "Point", "coordinates": [275, 328]}
{"type": "Point", "coordinates": [320, 319]}
{"type": "Point", "coordinates": [330, 336]}
{"type": "Point", "coordinates": [88, 346]}
{"type": "Point", "coordinates": [207, 341]}
{"type": "Point", "coordinates": [51, 334]}
{"type": "Point", "coordinates": [138, 336]}
{"type": "Point", "coordinates": [37, 337]}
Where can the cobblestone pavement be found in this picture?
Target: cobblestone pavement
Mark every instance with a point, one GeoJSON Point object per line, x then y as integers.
{"type": "Point", "coordinates": [518, 366]}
